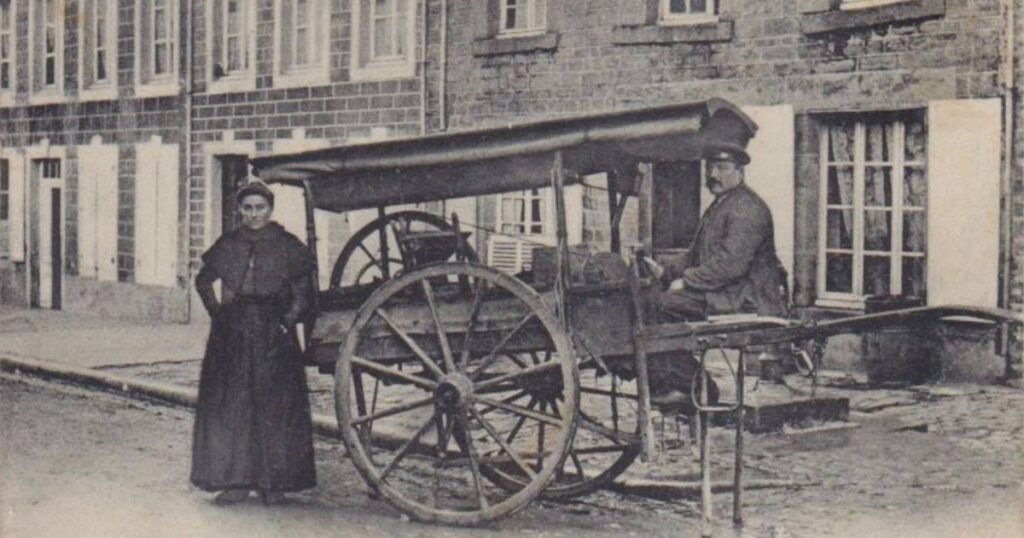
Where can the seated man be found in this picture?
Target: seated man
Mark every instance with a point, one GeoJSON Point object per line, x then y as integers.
{"type": "Point", "coordinates": [731, 268]}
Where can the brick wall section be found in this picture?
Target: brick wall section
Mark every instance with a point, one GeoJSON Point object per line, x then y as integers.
{"type": "Point", "coordinates": [768, 60]}
{"type": "Point", "coordinates": [336, 112]}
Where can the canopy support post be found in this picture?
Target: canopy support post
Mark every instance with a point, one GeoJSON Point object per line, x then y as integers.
{"type": "Point", "coordinates": [614, 212]}
{"type": "Point", "coordinates": [385, 265]}
{"type": "Point", "coordinates": [311, 239]}
{"type": "Point", "coordinates": [562, 237]}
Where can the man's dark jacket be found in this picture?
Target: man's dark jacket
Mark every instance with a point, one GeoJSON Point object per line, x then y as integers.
{"type": "Point", "coordinates": [732, 259]}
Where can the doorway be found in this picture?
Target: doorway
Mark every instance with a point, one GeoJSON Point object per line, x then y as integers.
{"type": "Point", "coordinates": [50, 241]}
{"type": "Point", "coordinates": [234, 174]}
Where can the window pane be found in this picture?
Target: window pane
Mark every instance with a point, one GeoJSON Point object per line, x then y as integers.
{"type": "Point", "coordinates": [301, 46]}
{"type": "Point", "coordinates": [840, 229]}
{"type": "Point", "coordinates": [511, 16]}
{"type": "Point", "coordinates": [914, 226]}
{"type": "Point", "coordinates": [160, 58]}
{"type": "Point", "coordinates": [101, 65]}
{"type": "Point", "coordinates": [915, 143]}
{"type": "Point", "coordinates": [914, 186]}
{"type": "Point", "coordinates": [878, 186]}
{"type": "Point", "coordinates": [878, 142]}
{"type": "Point", "coordinates": [234, 54]}
{"type": "Point", "coordinates": [913, 277]}
{"type": "Point", "coordinates": [51, 77]}
{"type": "Point", "coordinates": [698, 6]}
{"type": "Point", "coordinates": [877, 231]}
{"type": "Point", "coordinates": [841, 143]}
{"type": "Point", "coordinates": [876, 275]}
{"type": "Point", "coordinates": [839, 273]}
{"type": "Point", "coordinates": [400, 32]}
{"type": "Point", "coordinates": [381, 37]}
{"type": "Point", "coordinates": [677, 6]}
{"type": "Point", "coordinates": [840, 185]}
{"type": "Point", "coordinates": [5, 76]}
{"type": "Point", "coordinates": [160, 23]}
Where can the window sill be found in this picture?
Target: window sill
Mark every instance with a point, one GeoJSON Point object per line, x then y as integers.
{"type": "Point", "coordinates": [674, 32]}
{"type": "Point", "coordinates": [49, 97]}
{"type": "Point", "coordinates": [163, 89]}
{"type": "Point", "coordinates": [98, 94]}
{"type": "Point", "coordinates": [848, 19]}
{"type": "Point", "coordinates": [237, 83]}
{"type": "Point", "coordinates": [515, 44]}
{"type": "Point", "coordinates": [310, 77]}
{"type": "Point", "coordinates": [383, 70]}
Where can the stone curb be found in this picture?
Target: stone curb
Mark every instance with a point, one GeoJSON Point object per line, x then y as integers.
{"type": "Point", "coordinates": [328, 426]}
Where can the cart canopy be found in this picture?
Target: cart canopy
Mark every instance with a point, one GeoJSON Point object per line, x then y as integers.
{"type": "Point", "coordinates": [505, 159]}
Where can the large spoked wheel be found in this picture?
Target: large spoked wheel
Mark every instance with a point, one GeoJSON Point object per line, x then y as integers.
{"type": "Point", "coordinates": [443, 373]}
{"type": "Point", "coordinates": [606, 443]}
{"type": "Point", "coordinates": [375, 252]}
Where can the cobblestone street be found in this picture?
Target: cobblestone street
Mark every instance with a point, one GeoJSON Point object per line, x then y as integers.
{"type": "Point", "coordinates": [937, 460]}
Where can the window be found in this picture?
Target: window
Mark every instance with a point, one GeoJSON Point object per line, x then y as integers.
{"type": "Point", "coordinates": [522, 17]}
{"type": "Point", "coordinates": [301, 42]}
{"type": "Point", "coordinates": [686, 11]}
{"type": "Point", "coordinates": [47, 45]}
{"type": "Point", "coordinates": [382, 39]}
{"type": "Point", "coordinates": [98, 63]}
{"type": "Point", "coordinates": [872, 218]}
{"type": "Point", "coordinates": [5, 190]}
{"type": "Point", "coordinates": [231, 45]}
{"type": "Point", "coordinates": [7, 42]}
{"type": "Point", "coordinates": [522, 213]}
{"type": "Point", "coordinates": [156, 47]}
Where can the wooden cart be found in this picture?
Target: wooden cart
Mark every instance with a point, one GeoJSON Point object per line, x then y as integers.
{"type": "Point", "coordinates": [464, 393]}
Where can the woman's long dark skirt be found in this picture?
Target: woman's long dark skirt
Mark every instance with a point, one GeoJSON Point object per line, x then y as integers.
{"type": "Point", "coordinates": [253, 428]}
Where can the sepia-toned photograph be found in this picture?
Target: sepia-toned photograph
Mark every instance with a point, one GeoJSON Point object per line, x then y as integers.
{"type": "Point", "coordinates": [553, 268]}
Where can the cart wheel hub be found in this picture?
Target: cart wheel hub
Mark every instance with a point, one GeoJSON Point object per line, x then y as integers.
{"type": "Point", "coordinates": [452, 392]}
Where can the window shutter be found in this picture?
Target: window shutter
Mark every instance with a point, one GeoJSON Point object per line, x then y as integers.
{"type": "Point", "coordinates": [486, 17]}
{"type": "Point", "coordinates": [156, 214]}
{"type": "Point", "coordinates": [963, 202]}
{"type": "Point", "coordinates": [16, 216]}
{"type": "Point", "coordinates": [772, 172]}
{"type": "Point", "coordinates": [97, 212]}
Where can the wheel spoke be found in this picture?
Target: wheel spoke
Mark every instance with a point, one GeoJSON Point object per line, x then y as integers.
{"type": "Point", "coordinates": [520, 421]}
{"type": "Point", "coordinates": [398, 375]}
{"type": "Point", "coordinates": [520, 410]}
{"type": "Point", "coordinates": [371, 256]}
{"type": "Point", "coordinates": [442, 337]}
{"type": "Point", "coordinates": [578, 465]}
{"type": "Point", "coordinates": [423, 402]}
{"type": "Point", "coordinates": [540, 438]}
{"type": "Point", "coordinates": [501, 442]}
{"type": "Point", "coordinates": [474, 465]}
{"type": "Point", "coordinates": [533, 370]}
{"type": "Point", "coordinates": [413, 346]}
{"type": "Point", "coordinates": [406, 448]}
{"type": "Point", "coordinates": [478, 295]}
{"type": "Point", "coordinates": [588, 423]}
{"type": "Point", "coordinates": [510, 399]}
{"type": "Point", "coordinates": [494, 354]}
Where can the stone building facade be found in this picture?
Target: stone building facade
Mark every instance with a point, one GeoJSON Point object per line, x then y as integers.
{"type": "Point", "coordinates": [890, 142]}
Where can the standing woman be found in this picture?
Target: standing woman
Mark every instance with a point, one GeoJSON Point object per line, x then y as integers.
{"type": "Point", "coordinates": [253, 430]}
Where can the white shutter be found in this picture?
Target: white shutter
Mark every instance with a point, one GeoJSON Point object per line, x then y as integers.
{"type": "Point", "coordinates": [16, 194]}
{"type": "Point", "coordinates": [771, 172]}
{"type": "Point", "coordinates": [963, 202]}
{"type": "Point", "coordinates": [97, 211]}
{"type": "Point", "coordinates": [156, 214]}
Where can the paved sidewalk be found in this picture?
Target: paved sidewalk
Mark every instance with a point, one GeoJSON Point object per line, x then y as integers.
{"type": "Point", "coordinates": [91, 342]}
